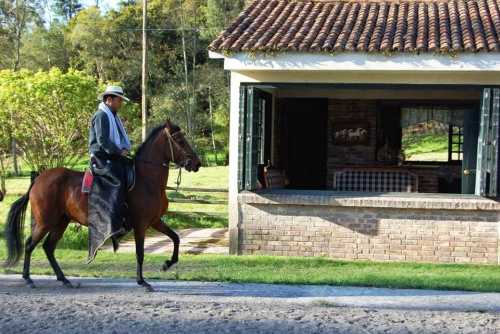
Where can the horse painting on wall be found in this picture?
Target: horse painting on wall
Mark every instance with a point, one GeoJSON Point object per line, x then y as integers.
{"type": "Point", "coordinates": [346, 133]}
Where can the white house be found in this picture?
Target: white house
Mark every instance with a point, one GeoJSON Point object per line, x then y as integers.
{"type": "Point", "coordinates": [319, 88]}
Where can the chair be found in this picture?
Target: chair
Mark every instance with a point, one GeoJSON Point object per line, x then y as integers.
{"type": "Point", "coordinates": [273, 178]}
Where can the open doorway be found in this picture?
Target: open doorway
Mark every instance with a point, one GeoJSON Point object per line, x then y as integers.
{"type": "Point", "coordinates": [307, 120]}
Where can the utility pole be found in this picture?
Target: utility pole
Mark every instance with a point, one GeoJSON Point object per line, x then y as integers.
{"type": "Point", "coordinates": [187, 103]}
{"type": "Point", "coordinates": [144, 68]}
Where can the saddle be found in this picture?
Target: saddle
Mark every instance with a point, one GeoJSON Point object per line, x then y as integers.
{"type": "Point", "coordinates": [89, 176]}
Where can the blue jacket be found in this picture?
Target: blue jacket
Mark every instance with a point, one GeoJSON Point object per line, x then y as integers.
{"type": "Point", "coordinates": [99, 141]}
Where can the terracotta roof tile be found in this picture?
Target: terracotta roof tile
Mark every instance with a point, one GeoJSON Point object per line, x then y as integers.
{"type": "Point", "coordinates": [387, 26]}
{"type": "Point", "coordinates": [325, 23]}
{"type": "Point", "coordinates": [357, 27]}
{"type": "Point", "coordinates": [402, 24]}
{"type": "Point", "coordinates": [444, 31]}
{"type": "Point", "coordinates": [340, 18]}
{"type": "Point", "coordinates": [489, 29]}
{"type": "Point", "coordinates": [364, 38]}
{"type": "Point", "coordinates": [456, 30]}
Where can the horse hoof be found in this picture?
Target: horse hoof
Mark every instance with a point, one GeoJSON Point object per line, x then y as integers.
{"type": "Point", "coordinates": [31, 285]}
{"type": "Point", "coordinates": [148, 288]}
{"type": "Point", "coordinates": [70, 285]}
{"type": "Point", "coordinates": [167, 264]}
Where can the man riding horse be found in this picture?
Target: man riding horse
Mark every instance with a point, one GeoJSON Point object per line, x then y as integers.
{"type": "Point", "coordinates": [109, 147]}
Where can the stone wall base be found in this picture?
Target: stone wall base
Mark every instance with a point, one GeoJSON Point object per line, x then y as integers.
{"type": "Point", "coordinates": [379, 227]}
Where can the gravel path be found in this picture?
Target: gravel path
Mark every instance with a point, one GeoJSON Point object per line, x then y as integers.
{"type": "Point", "coordinates": [120, 306]}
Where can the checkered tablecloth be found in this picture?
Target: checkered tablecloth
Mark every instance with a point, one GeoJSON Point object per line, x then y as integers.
{"type": "Point", "coordinates": [381, 181]}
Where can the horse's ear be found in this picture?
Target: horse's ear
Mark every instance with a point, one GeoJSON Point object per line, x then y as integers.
{"type": "Point", "coordinates": [169, 124]}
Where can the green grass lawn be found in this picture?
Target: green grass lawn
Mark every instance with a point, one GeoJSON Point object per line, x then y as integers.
{"type": "Point", "coordinates": [428, 143]}
{"type": "Point", "coordinates": [273, 270]}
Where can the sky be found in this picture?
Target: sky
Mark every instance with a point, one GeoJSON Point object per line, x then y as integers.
{"type": "Point", "coordinates": [103, 4]}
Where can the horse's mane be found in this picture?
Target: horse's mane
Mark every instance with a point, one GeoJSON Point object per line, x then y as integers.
{"type": "Point", "coordinates": [152, 134]}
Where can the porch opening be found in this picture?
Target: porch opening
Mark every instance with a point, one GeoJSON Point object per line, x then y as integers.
{"type": "Point", "coordinates": [444, 145]}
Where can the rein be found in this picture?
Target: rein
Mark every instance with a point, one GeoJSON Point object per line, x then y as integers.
{"type": "Point", "coordinates": [183, 163]}
{"type": "Point", "coordinates": [178, 183]}
{"type": "Point", "coordinates": [151, 162]}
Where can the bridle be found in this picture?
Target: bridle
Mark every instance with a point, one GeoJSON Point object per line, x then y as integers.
{"type": "Point", "coordinates": [172, 142]}
{"type": "Point", "coordinates": [183, 163]}
{"type": "Point", "coordinates": [187, 156]}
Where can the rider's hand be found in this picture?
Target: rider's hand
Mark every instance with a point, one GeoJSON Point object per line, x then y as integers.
{"type": "Point", "coordinates": [125, 153]}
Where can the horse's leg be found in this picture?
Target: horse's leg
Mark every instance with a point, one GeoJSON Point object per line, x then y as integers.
{"type": "Point", "coordinates": [30, 245]}
{"type": "Point", "coordinates": [28, 249]}
{"type": "Point", "coordinates": [139, 236]}
{"type": "Point", "coordinates": [161, 227]}
{"type": "Point", "coordinates": [49, 246]}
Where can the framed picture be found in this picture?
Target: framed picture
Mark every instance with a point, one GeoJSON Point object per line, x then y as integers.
{"type": "Point", "coordinates": [350, 133]}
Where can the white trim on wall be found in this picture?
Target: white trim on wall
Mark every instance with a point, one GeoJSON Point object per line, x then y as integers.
{"type": "Point", "coordinates": [363, 61]}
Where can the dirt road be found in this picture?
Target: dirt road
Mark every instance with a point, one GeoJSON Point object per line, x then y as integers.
{"type": "Point", "coordinates": [120, 306]}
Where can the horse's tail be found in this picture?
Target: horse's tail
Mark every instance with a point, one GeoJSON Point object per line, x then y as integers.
{"type": "Point", "coordinates": [14, 229]}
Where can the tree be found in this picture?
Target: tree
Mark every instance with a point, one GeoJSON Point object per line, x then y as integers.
{"type": "Point", "coordinates": [44, 48]}
{"type": "Point", "coordinates": [211, 119]}
{"type": "Point", "coordinates": [9, 84]}
{"type": "Point", "coordinates": [48, 113]}
{"type": "Point", "coordinates": [218, 14]}
{"type": "Point", "coordinates": [215, 89]}
{"type": "Point", "coordinates": [66, 9]}
{"type": "Point", "coordinates": [18, 17]}
{"type": "Point", "coordinates": [108, 47]}
{"type": "Point", "coordinates": [91, 41]}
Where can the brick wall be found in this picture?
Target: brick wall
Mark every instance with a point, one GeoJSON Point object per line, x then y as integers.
{"type": "Point", "coordinates": [339, 156]}
{"type": "Point", "coordinates": [446, 229]}
{"type": "Point", "coordinates": [428, 179]}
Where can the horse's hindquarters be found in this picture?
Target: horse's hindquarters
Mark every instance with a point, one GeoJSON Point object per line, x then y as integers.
{"type": "Point", "coordinates": [57, 193]}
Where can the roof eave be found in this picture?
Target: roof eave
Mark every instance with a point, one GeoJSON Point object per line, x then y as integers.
{"type": "Point", "coordinates": [361, 61]}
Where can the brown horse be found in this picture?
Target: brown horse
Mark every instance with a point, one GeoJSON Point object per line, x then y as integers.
{"type": "Point", "coordinates": [56, 199]}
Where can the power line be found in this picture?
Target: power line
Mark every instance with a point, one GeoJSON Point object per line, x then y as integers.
{"type": "Point", "coordinates": [167, 29]}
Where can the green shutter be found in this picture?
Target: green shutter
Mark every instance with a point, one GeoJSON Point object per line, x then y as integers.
{"type": "Point", "coordinates": [482, 144]}
{"type": "Point", "coordinates": [487, 147]}
{"type": "Point", "coordinates": [495, 118]}
{"type": "Point", "coordinates": [241, 138]}
{"type": "Point", "coordinates": [252, 138]}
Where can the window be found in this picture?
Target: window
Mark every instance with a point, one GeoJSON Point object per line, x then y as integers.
{"type": "Point", "coordinates": [432, 141]}
{"type": "Point", "coordinates": [456, 151]}
{"type": "Point", "coordinates": [432, 133]}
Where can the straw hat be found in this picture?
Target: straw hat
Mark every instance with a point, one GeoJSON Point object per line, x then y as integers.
{"type": "Point", "coordinates": [113, 90]}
